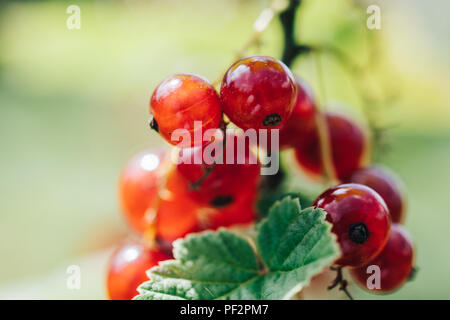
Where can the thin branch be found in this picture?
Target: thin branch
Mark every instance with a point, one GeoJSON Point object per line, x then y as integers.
{"type": "Point", "coordinates": [323, 130]}
{"type": "Point", "coordinates": [291, 51]}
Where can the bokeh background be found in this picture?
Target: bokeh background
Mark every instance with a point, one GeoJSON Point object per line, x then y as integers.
{"type": "Point", "coordinates": [74, 108]}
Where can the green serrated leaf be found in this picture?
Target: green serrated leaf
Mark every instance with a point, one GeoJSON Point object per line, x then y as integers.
{"type": "Point", "coordinates": [294, 245]}
{"type": "Point", "coordinates": [207, 266]}
{"type": "Point", "coordinates": [291, 247]}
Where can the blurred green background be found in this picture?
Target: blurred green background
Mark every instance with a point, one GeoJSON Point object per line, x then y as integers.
{"type": "Point", "coordinates": [74, 108]}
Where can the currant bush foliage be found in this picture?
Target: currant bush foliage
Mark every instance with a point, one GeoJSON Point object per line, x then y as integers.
{"type": "Point", "coordinates": [291, 246]}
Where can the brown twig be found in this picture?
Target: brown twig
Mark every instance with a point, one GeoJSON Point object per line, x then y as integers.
{"type": "Point", "coordinates": [340, 281]}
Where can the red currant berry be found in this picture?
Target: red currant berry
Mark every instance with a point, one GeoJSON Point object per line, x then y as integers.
{"type": "Point", "coordinates": [348, 145]}
{"type": "Point", "coordinates": [138, 187]}
{"type": "Point", "coordinates": [177, 214]}
{"type": "Point", "coordinates": [177, 217]}
{"type": "Point", "coordinates": [386, 184]}
{"type": "Point", "coordinates": [181, 100]}
{"type": "Point", "coordinates": [360, 220]}
{"type": "Point", "coordinates": [395, 262]}
{"type": "Point", "coordinates": [258, 92]}
{"type": "Point", "coordinates": [212, 182]}
{"type": "Point", "coordinates": [242, 211]}
{"type": "Point", "coordinates": [302, 119]}
{"type": "Point", "coordinates": [127, 269]}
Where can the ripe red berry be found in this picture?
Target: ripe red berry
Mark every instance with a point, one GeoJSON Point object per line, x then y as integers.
{"type": "Point", "coordinates": [127, 269]}
{"type": "Point", "coordinates": [360, 220]}
{"type": "Point", "coordinates": [242, 211]}
{"type": "Point", "coordinates": [178, 102]}
{"type": "Point", "coordinates": [395, 262]}
{"type": "Point", "coordinates": [213, 183]}
{"type": "Point", "coordinates": [302, 119]}
{"type": "Point", "coordinates": [348, 145]}
{"type": "Point", "coordinates": [258, 92]}
{"type": "Point", "coordinates": [386, 184]}
{"type": "Point", "coordinates": [138, 187]}
{"type": "Point", "coordinates": [177, 214]}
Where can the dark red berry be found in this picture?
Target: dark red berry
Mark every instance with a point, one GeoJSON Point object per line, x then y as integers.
{"type": "Point", "coordinates": [138, 187]}
{"type": "Point", "coordinates": [348, 145]}
{"type": "Point", "coordinates": [386, 184]}
{"type": "Point", "coordinates": [258, 92]}
{"type": "Point", "coordinates": [360, 220]}
{"type": "Point", "coordinates": [127, 269]}
{"type": "Point", "coordinates": [178, 102]}
{"type": "Point", "coordinates": [302, 119]}
{"type": "Point", "coordinates": [395, 262]}
{"type": "Point", "coordinates": [241, 212]}
{"type": "Point", "coordinates": [218, 183]}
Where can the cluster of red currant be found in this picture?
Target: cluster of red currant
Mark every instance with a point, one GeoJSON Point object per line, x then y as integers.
{"type": "Point", "coordinates": [166, 195]}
